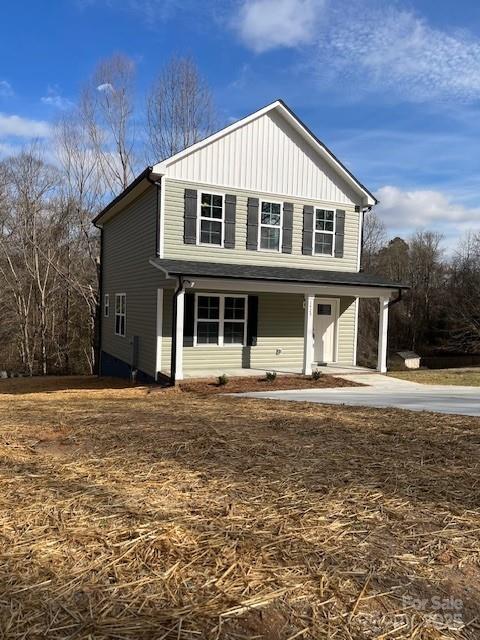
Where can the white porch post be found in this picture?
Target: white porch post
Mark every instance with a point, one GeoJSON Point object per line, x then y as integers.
{"type": "Point", "coordinates": [308, 335]}
{"type": "Point", "coordinates": [179, 335]}
{"type": "Point", "coordinates": [382, 336]}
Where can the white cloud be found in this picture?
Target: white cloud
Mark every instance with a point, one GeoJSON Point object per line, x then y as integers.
{"type": "Point", "coordinates": [394, 50]}
{"type": "Point", "coordinates": [55, 99]}
{"type": "Point", "coordinates": [106, 87]}
{"type": "Point", "coordinates": [17, 126]}
{"type": "Point", "coordinates": [6, 90]}
{"type": "Point", "coordinates": [357, 46]}
{"type": "Point", "coordinates": [405, 211]}
{"type": "Point", "coordinates": [269, 24]}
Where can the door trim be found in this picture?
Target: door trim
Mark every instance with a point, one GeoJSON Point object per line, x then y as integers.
{"type": "Point", "coordinates": [335, 302]}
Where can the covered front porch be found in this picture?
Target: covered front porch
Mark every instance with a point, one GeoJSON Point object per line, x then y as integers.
{"type": "Point", "coordinates": [246, 321]}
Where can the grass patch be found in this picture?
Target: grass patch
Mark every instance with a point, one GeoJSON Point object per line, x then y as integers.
{"type": "Point", "coordinates": [139, 515]}
{"type": "Point", "coordinates": [463, 377]}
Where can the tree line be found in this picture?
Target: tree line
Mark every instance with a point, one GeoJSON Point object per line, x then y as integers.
{"type": "Point", "coordinates": [440, 313]}
{"type": "Point", "coordinates": [49, 271]}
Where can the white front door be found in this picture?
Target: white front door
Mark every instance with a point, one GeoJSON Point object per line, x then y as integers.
{"type": "Point", "coordinates": [324, 329]}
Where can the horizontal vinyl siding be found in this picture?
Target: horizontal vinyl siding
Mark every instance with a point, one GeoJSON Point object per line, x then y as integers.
{"type": "Point", "coordinates": [167, 331]}
{"type": "Point", "coordinates": [269, 156]}
{"type": "Point", "coordinates": [280, 327]}
{"type": "Point", "coordinates": [346, 331]}
{"type": "Point", "coordinates": [174, 246]}
{"type": "Point", "coordinates": [128, 243]}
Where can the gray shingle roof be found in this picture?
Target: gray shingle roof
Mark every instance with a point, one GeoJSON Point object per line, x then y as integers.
{"type": "Point", "coordinates": [203, 269]}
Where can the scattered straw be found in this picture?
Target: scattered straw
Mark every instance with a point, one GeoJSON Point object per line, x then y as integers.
{"type": "Point", "coordinates": [134, 515]}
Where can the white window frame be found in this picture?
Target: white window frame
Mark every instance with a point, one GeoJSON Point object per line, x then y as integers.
{"type": "Point", "coordinates": [118, 296]}
{"type": "Point", "coordinates": [106, 305]}
{"type": "Point", "coordinates": [332, 233]}
{"type": "Point", "coordinates": [221, 319]}
{"type": "Point", "coordinates": [200, 218]}
{"type": "Point", "coordinates": [270, 226]}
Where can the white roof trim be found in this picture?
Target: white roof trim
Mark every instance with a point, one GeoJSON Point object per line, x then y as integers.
{"type": "Point", "coordinates": [279, 106]}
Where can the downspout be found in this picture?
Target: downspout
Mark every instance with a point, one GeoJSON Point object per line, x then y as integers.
{"type": "Point", "coordinates": [173, 359]}
{"type": "Point", "coordinates": [364, 211]}
{"type": "Point", "coordinates": [395, 300]}
{"type": "Point", "coordinates": [157, 184]}
{"type": "Point", "coordinates": [98, 364]}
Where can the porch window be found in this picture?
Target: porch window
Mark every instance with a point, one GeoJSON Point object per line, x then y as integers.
{"type": "Point", "coordinates": [324, 231]}
{"type": "Point", "coordinates": [211, 219]}
{"type": "Point", "coordinates": [220, 320]}
{"type": "Point", "coordinates": [120, 314]}
{"type": "Point", "coordinates": [270, 226]}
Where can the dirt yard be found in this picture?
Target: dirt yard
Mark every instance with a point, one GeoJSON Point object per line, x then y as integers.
{"type": "Point", "coordinates": [127, 514]}
{"type": "Point", "coordinates": [252, 383]}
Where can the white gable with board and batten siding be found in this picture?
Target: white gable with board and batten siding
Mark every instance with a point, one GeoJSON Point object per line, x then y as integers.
{"type": "Point", "coordinates": [270, 151]}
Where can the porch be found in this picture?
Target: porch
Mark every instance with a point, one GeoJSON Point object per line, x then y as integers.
{"type": "Point", "coordinates": [239, 320]}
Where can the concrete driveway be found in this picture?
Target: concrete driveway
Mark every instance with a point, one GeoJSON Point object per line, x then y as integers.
{"type": "Point", "coordinates": [384, 391]}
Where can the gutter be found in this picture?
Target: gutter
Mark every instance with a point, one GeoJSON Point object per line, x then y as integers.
{"type": "Point", "coordinates": [145, 174]}
{"type": "Point", "coordinates": [173, 357]}
{"type": "Point", "coordinates": [391, 303]}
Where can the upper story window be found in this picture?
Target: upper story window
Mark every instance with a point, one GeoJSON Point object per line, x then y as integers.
{"type": "Point", "coordinates": [211, 219]}
{"type": "Point", "coordinates": [270, 226]}
{"type": "Point", "coordinates": [120, 314]}
{"type": "Point", "coordinates": [324, 231]}
{"type": "Point", "coordinates": [106, 305]}
{"type": "Point", "coordinates": [220, 320]}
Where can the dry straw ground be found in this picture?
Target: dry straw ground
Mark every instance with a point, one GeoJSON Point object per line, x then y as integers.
{"type": "Point", "coordinates": [128, 514]}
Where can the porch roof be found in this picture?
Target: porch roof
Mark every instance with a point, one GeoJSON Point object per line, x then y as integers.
{"type": "Point", "coordinates": [202, 269]}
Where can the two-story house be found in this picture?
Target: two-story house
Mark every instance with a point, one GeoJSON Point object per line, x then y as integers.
{"type": "Point", "coordinates": [240, 252]}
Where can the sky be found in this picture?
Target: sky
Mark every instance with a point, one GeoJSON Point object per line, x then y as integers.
{"type": "Point", "coordinates": [392, 87]}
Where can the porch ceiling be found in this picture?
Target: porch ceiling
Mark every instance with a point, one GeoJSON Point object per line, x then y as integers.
{"type": "Point", "coordinates": [202, 269]}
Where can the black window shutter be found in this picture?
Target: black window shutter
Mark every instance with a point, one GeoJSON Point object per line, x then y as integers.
{"type": "Point", "coordinates": [252, 224]}
{"type": "Point", "coordinates": [230, 214]}
{"type": "Point", "coordinates": [339, 232]}
{"type": "Point", "coordinates": [287, 227]}
{"type": "Point", "coordinates": [189, 320]}
{"type": "Point", "coordinates": [252, 321]}
{"type": "Point", "coordinates": [307, 230]}
{"type": "Point", "coordinates": [190, 217]}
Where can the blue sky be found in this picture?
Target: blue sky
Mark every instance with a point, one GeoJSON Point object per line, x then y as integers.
{"type": "Point", "coordinates": [392, 87]}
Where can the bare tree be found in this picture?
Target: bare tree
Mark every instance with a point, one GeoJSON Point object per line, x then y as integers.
{"type": "Point", "coordinates": [464, 295]}
{"type": "Point", "coordinates": [374, 238]}
{"type": "Point", "coordinates": [29, 244]}
{"type": "Point", "coordinates": [107, 110]}
{"type": "Point", "coordinates": [81, 197]}
{"type": "Point", "coordinates": [180, 109]}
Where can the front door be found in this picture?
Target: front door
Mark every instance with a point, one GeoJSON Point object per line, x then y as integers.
{"type": "Point", "coordinates": [324, 330]}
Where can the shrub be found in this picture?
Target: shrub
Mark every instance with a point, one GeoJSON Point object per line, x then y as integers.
{"type": "Point", "coordinates": [222, 380]}
{"type": "Point", "coordinates": [271, 376]}
{"type": "Point", "coordinates": [316, 374]}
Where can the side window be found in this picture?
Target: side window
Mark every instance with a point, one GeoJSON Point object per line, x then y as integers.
{"type": "Point", "coordinates": [211, 219]}
{"type": "Point", "coordinates": [270, 224]}
{"type": "Point", "coordinates": [324, 232]}
{"type": "Point", "coordinates": [120, 314]}
{"type": "Point", "coordinates": [106, 305]}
